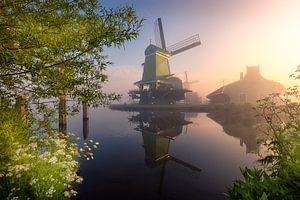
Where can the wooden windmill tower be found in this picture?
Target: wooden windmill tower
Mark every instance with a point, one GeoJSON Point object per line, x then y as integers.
{"type": "Point", "coordinates": [158, 85]}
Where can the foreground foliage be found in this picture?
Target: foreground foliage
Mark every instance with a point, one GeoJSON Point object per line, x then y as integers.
{"type": "Point", "coordinates": [280, 176]}
{"type": "Point", "coordinates": [53, 51]}
{"type": "Point", "coordinates": [37, 166]}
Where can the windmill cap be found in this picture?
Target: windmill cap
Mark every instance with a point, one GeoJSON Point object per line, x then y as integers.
{"type": "Point", "coordinates": [153, 49]}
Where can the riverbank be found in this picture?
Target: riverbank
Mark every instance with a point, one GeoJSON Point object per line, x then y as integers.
{"type": "Point", "coordinates": [169, 107]}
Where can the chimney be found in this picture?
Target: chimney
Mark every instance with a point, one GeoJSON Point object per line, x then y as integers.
{"type": "Point", "coordinates": [253, 72]}
{"type": "Point", "coordinates": [241, 76]}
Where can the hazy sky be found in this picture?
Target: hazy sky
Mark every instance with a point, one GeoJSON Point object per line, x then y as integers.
{"type": "Point", "coordinates": [234, 34]}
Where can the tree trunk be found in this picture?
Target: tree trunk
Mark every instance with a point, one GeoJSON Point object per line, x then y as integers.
{"type": "Point", "coordinates": [62, 114]}
{"type": "Point", "coordinates": [21, 106]}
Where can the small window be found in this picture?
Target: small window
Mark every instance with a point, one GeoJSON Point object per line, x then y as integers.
{"type": "Point", "coordinates": [243, 97]}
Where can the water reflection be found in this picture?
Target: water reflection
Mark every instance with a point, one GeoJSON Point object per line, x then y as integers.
{"type": "Point", "coordinates": [157, 155]}
{"type": "Point", "coordinates": [241, 127]}
{"type": "Point", "coordinates": [85, 128]}
{"type": "Point", "coordinates": [158, 130]}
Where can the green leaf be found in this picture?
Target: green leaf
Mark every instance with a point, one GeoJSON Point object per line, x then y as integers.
{"type": "Point", "coordinates": [264, 197]}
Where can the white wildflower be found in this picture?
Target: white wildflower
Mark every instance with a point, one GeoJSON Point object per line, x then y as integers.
{"type": "Point", "coordinates": [18, 151]}
{"type": "Point", "coordinates": [73, 192]}
{"type": "Point", "coordinates": [60, 152]}
{"type": "Point", "coordinates": [33, 181]}
{"type": "Point", "coordinates": [97, 143]}
{"type": "Point", "coordinates": [79, 179]}
{"type": "Point", "coordinates": [67, 194]}
{"type": "Point", "coordinates": [53, 160]}
{"type": "Point", "coordinates": [33, 145]}
{"type": "Point", "coordinates": [50, 192]}
{"type": "Point", "coordinates": [9, 174]}
{"type": "Point", "coordinates": [91, 141]}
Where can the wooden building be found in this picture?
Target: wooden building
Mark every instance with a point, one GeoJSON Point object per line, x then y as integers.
{"type": "Point", "coordinates": [248, 89]}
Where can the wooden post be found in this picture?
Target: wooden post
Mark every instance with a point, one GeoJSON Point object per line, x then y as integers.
{"type": "Point", "coordinates": [85, 110]}
{"type": "Point", "coordinates": [62, 107]}
{"type": "Point", "coordinates": [21, 106]}
{"type": "Point", "coordinates": [85, 117]}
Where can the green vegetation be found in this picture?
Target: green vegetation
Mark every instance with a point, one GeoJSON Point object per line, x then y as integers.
{"type": "Point", "coordinates": [279, 177]}
{"type": "Point", "coordinates": [35, 165]}
{"type": "Point", "coordinates": [51, 52]}
{"type": "Point", "coordinates": [55, 50]}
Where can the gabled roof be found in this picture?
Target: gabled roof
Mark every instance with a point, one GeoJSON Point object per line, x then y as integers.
{"type": "Point", "coordinates": [216, 92]}
{"type": "Point", "coordinates": [253, 84]}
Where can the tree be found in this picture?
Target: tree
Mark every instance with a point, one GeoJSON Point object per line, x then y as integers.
{"type": "Point", "coordinates": [54, 50]}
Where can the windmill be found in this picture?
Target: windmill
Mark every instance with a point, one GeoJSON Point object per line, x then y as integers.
{"type": "Point", "coordinates": [191, 97]}
{"type": "Point", "coordinates": [187, 83]}
{"type": "Point", "coordinates": [158, 85]}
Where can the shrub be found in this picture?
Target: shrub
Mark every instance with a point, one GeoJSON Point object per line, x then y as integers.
{"type": "Point", "coordinates": [37, 166]}
{"type": "Point", "coordinates": [280, 176]}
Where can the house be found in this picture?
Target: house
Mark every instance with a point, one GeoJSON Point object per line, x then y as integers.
{"type": "Point", "coordinates": [248, 89]}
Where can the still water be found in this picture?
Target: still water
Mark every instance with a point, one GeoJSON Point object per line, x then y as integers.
{"type": "Point", "coordinates": [162, 155]}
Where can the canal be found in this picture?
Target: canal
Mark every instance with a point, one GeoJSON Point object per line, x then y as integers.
{"type": "Point", "coordinates": [162, 155]}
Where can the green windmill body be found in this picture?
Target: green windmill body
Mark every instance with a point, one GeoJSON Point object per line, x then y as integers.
{"type": "Point", "coordinates": [158, 85]}
{"type": "Point", "coordinates": [156, 65]}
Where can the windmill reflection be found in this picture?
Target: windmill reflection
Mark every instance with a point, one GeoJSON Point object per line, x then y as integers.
{"type": "Point", "coordinates": [158, 130]}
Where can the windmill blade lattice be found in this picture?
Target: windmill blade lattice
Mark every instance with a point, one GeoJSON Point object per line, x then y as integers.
{"type": "Point", "coordinates": [184, 45]}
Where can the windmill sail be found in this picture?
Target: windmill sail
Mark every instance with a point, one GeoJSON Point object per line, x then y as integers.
{"type": "Point", "coordinates": [159, 34]}
{"type": "Point", "coordinates": [184, 45]}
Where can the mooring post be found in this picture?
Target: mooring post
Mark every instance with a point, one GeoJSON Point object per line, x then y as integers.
{"type": "Point", "coordinates": [85, 119]}
{"type": "Point", "coordinates": [62, 107]}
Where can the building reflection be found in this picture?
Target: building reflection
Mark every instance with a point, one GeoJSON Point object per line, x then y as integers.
{"type": "Point", "coordinates": [159, 129]}
{"type": "Point", "coordinates": [241, 127]}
